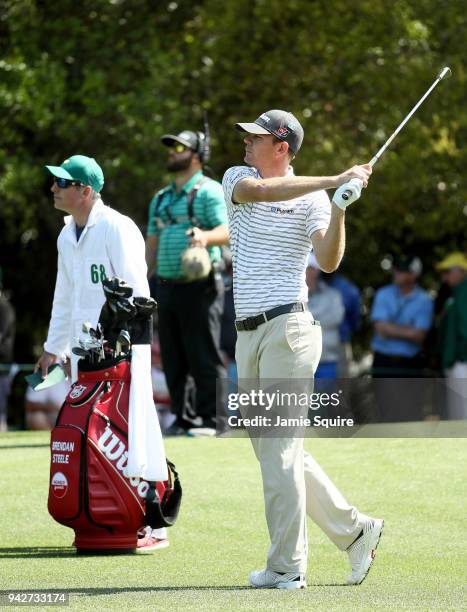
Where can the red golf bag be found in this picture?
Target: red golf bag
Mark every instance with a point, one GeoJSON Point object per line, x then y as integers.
{"type": "Point", "coordinates": [89, 491]}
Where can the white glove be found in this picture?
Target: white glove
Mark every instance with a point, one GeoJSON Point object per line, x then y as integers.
{"type": "Point", "coordinates": [347, 193]}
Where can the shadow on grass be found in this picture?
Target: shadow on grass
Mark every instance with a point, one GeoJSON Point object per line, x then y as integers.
{"type": "Point", "coordinates": [89, 592]}
{"type": "Point", "coordinates": [47, 552]}
{"type": "Point", "coordinates": [10, 446]}
{"type": "Point", "coordinates": [37, 552]}
{"type": "Point", "coordinates": [96, 592]}
{"type": "Point", "coordinates": [329, 584]}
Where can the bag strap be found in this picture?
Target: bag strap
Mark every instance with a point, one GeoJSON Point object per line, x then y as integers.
{"type": "Point", "coordinates": [191, 198]}
{"type": "Point", "coordinates": [190, 209]}
{"type": "Point", "coordinates": [164, 513]}
{"type": "Point", "coordinates": [159, 222]}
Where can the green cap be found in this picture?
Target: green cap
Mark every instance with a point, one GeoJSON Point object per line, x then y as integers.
{"type": "Point", "coordinates": [80, 168]}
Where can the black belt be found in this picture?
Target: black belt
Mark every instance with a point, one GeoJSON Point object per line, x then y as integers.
{"type": "Point", "coordinates": [251, 323]}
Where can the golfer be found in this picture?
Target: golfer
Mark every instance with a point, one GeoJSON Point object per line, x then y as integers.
{"type": "Point", "coordinates": [275, 218]}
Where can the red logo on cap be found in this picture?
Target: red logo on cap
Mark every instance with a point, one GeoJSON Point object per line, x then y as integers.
{"type": "Point", "coordinates": [282, 131]}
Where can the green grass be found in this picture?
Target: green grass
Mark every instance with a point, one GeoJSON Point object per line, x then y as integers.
{"type": "Point", "coordinates": [417, 485]}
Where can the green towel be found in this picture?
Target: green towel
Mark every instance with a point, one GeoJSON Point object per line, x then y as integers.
{"type": "Point", "coordinates": [56, 374]}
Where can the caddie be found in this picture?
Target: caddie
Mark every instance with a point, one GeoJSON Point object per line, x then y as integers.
{"type": "Point", "coordinates": [275, 218]}
{"type": "Point", "coordinates": [98, 242]}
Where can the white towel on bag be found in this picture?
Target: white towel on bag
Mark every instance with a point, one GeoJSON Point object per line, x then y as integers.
{"type": "Point", "coordinates": [146, 453]}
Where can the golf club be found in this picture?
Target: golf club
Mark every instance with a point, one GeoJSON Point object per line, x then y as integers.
{"type": "Point", "coordinates": [94, 345]}
{"type": "Point", "coordinates": [81, 352]}
{"type": "Point", "coordinates": [123, 343]}
{"type": "Point", "coordinates": [93, 333]}
{"type": "Point", "coordinates": [446, 71]}
{"type": "Point", "coordinates": [97, 338]}
{"type": "Point", "coordinates": [86, 327]}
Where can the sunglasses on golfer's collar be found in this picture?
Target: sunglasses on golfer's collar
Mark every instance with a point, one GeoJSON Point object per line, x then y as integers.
{"type": "Point", "coordinates": [64, 183]}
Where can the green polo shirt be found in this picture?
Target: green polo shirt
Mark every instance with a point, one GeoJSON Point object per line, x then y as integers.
{"type": "Point", "coordinates": [453, 327]}
{"type": "Point", "coordinates": [208, 208]}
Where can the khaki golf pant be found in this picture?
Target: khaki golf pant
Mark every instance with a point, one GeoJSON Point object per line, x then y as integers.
{"type": "Point", "coordinates": [289, 347]}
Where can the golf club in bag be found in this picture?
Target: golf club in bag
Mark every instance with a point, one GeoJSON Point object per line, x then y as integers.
{"type": "Point", "coordinates": [89, 490]}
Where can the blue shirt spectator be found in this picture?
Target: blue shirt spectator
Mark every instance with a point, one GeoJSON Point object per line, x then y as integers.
{"type": "Point", "coordinates": [352, 304]}
{"type": "Point", "coordinates": [414, 309]}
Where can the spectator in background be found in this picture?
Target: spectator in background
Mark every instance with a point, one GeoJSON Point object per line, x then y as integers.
{"type": "Point", "coordinates": [7, 339]}
{"type": "Point", "coordinates": [327, 307]}
{"type": "Point", "coordinates": [350, 323]}
{"type": "Point", "coordinates": [431, 345]}
{"type": "Point", "coordinates": [42, 407]}
{"type": "Point", "coordinates": [453, 333]}
{"type": "Point", "coordinates": [189, 211]}
{"type": "Point", "coordinates": [402, 314]}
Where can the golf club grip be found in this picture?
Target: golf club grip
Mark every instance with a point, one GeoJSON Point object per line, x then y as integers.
{"type": "Point", "coordinates": [347, 193]}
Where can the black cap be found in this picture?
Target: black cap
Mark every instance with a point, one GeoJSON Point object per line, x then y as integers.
{"type": "Point", "coordinates": [408, 264]}
{"type": "Point", "coordinates": [278, 122]}
{"type": "Point", "coordinates": [186, 138]}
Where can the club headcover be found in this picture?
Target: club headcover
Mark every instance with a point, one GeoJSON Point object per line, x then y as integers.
{"type": "Point", "coordinates": [145, 307]}
{"type": "Point", "coordinates": [115, 288]}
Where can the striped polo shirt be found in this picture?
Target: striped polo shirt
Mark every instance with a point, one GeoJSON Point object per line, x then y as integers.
{"type": "Point", "coordinates": [208, 208]}
{"type": "Point", "coordinates": [270, 243]}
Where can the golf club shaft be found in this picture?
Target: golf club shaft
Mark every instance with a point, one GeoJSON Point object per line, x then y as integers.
{"type": "Point", "coordinates": [445, 71]}
{"type": "Point", "coordinates": [441, 75]}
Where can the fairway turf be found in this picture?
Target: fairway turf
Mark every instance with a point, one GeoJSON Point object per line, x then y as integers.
{"type": "Point", "coordinates": [416, 485]}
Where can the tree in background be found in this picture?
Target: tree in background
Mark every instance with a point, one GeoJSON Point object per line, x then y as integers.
{"type": "Point", "coordinates": [107, 77]}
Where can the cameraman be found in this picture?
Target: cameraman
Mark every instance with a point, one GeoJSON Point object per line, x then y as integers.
{"type": "Point", "coordinates": [189, 212]}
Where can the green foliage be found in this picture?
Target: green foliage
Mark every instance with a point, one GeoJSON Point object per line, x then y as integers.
{"type": "Point", "coordinates": [108, 77]}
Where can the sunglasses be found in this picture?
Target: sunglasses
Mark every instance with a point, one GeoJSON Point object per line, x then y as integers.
{"type": "Point", "coordinates": [64, 183]}
{"type": "Point", "coordinates": [179, 148]}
